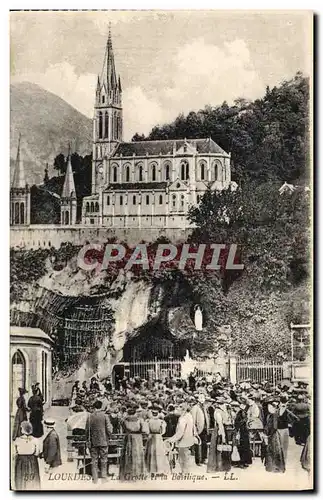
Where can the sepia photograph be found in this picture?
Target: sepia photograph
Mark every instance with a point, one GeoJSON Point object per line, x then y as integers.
{"type": "Point", "coordinates": [161, 245]}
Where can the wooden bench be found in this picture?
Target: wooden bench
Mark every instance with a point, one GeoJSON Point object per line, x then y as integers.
{"type": "Point", "coordinates": [77, 449]}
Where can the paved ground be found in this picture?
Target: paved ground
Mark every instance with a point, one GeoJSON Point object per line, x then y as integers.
{"type": "Point", "coordinates": [255, 477]}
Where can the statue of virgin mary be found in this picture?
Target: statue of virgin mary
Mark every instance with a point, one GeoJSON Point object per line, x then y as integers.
{"type": "Point", "coordinates": [198, 318]}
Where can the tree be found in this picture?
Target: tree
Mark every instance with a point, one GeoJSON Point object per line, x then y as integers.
{"type": "Point", "coordinates": [60, 163]}
{"type": "Point", "coordinates": [272, 231]}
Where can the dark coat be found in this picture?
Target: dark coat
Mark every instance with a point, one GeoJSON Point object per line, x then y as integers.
{"type": "Point", "coordinates": [51, 449]}
{"type": "Point", "coordinates": [171, 423]}
{"type": "Point", "coordinates": [21, 416]}
{"type": "Point", "coordinates": [98, 429]}
{"type": "Point", "coordinates": [35, 404]}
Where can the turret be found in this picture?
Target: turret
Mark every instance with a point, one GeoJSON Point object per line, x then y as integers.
{"type": "Point", "coordinates": [19, 193]}
{"type": "Point", "coordinates": [68, 197]}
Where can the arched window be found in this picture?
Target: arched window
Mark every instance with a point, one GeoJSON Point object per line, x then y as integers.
{"type": "Point", "coordinates": [114, 174]}
{"type": "Point", "coordinates": [140, 173]}
{"type": "Point", "coordinates": [67, 218]}
{"type": "Point", "coordinates": [182, 202]}
{"type": "Point", "coordinates": [115, 126]}
{"type": "Point", "coordinates": [167, 172]}
{"type": "Point", "coordinates": [215, 171]}
{"type": "Point", "coordinates": [87, 209]}
{"type": "Point", "coordinates": [153, 172]}
{"type": "Point", "coordinates": [17, 213]}
{"type": "Point", "coordinates": [174, 201]}
{"type": "Point", "coordinates": [103, 99]}
{"type": "Point", "coordinates": [202, 171]}
{"type": "Point", "coordinates": [92, 207]}
{"type": "Point", "coordinates": [127, 173]}
{"type": "Point", "coordinates": [22, 213]}
{"type": "Point", "coordinates": [119, 128]}
{"type": "Point", "coordinates": [108, 200]}
{"type": "Point", "coordinates": [184, 170]}
{"type": "Point", "coordinates": [147, 199]}
{"type": "Point", "coordinates": [121, 200]}
{"type": "Point", "coordinates": [160, 199]}
{"type": "Point", "coordinates": [134, 199]}
{"type": "Point", "coordinates": [106, 125]}
{"type": "Point", "coordinates": [96, 206]}
{"type": "Point", "coordinates": [100, 125]}
{"type": "Point", "coordinates": [18, 365]}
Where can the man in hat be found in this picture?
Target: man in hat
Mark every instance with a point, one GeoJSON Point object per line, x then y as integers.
{"type": "Point", "coordinates": [51, 446]}
{"type": "Point", "coordinates": [201, 419]}
{"type": "Point", "coordinates": [184, 437]}
{"type": "Point", "coordinates": [98, 429]}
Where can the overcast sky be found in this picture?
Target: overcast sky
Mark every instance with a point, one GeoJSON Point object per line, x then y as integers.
{"type": "Point", "coordinates": [169, 62]}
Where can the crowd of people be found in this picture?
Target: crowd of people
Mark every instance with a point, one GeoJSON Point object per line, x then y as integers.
{"type": "Point", "coordinates": [206, 419]}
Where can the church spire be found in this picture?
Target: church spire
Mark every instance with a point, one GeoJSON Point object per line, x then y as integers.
{"type": "Point", "coordinates": [18, 181]}
{"type": "Point", "coordinates": [69, 186]}
{"type": "Point", "coordinates": [109, 75]}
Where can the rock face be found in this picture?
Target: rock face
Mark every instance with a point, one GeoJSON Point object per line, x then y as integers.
{"type": "Point", "coordinates": [47, 124]}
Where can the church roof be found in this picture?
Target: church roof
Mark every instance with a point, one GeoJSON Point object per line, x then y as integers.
{"type": "Point", "coordinates": [155, 148]}
{"type": "Point", "coordinates": [18, 180]}
{"type": "Point", "coordinates": [127, 186]}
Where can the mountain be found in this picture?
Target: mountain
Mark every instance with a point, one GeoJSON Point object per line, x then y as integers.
{"type": "Point", "coordinates": [47, 124]}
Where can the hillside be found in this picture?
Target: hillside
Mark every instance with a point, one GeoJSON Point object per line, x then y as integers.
{"type": "Point", "coordinates": [47, 124]}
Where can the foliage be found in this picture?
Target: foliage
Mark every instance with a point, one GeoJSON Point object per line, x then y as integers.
{"type": "Point", "coordinates": [272, 231]}
{"type": "Point", "coordinates": [268, 138]}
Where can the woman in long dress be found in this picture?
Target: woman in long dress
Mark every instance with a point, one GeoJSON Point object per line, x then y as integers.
{"type": "Point", "coordinates": [35, 404]}
{"type": "Point", "coordinates": [26, 461]}
{"type": "Point", "coordinates": [155, 455]}
{"type": "Point", "coordinates": [219, 458]}
{"type": "Point", "coordinates": [242, 439]}
{"type": "Point", "coordinates": [21, 413]}
{"type": "Point", "coordinates": [274, 454]}
{"type": "Point", "coordinates": [132, 463]}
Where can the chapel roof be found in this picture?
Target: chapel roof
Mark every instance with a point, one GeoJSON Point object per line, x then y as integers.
{"type": "Point", "coordinates": [28, 332]}
{"type": "Point", "coordinates": [154, 148]}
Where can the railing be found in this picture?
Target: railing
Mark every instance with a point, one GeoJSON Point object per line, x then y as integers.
{"type": "Point", "coordinates": [152, 370]}
{"type": "Point", "coordinates": [259, 371]}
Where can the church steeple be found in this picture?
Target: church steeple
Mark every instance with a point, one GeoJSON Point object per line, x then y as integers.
{"type": "Point", "coordinates": [69, 186]}
{"type": "Point", "coordinates": [18, 180]}
{"type": "Point", "coordinates": [68, 198]}
{"type": "Point", "coordinates": [107, 122]}
{"type": "Point", "coordinates": [19, 193]}
{"type": "Point", "coordinates": [108, 84]}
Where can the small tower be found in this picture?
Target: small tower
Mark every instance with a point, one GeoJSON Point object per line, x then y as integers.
{"type": "Point", "coordinates": [19, 193]}
{"type": "Point", "coordinates": [68, 197]}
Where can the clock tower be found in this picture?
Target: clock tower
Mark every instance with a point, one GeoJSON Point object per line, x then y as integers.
{"type": "Point", "coordinates": [107, 120]}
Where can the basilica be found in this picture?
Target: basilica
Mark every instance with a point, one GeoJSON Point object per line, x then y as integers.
{"type": "Point", "coordinates": [142, 184]}
{"type": "Point", "coordinates": [145, 183]}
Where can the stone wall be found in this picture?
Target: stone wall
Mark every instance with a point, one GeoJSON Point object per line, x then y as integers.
{"type": "Point", "coordinates": [46, 236]}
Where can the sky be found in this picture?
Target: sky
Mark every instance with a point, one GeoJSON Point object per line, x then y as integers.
{"type": "Point", "coordinates": [170, 62]}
